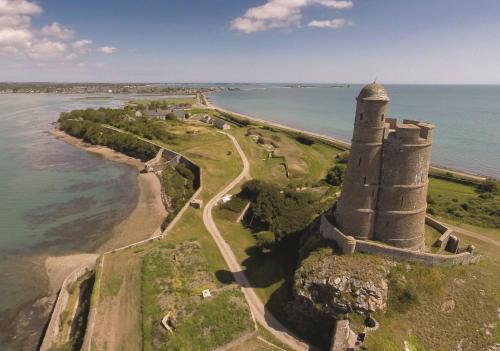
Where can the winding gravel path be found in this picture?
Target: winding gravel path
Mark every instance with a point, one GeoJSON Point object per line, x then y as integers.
{"type": "Point", "coordinates": [259, 311]}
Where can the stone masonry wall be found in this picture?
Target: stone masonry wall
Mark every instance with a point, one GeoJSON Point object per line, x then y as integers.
{"type": "Point", "coordinates": [51, 336]}
{"type": "Point", "coordinates": [349, 245]}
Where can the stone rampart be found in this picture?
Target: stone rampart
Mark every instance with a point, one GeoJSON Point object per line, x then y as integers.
{"type": "Point", "coordinates": [346, 243]}
{"type": "Point", "coordinates": [349, 245]}
{"type": "Point", "coordinates": [51, 336]}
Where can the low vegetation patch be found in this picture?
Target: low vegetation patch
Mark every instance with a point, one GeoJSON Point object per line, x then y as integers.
{"type": "Point", "coordinates": [178, 186]}
{"type": "Point", "coordinates": [173, 277]}
{"type": "Point", "coordinates": [472, 204]}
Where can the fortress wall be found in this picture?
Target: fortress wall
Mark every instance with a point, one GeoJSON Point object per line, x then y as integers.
{"type": "Point", "coordinates": [51, 337]}
{"type": "Point", "coordinates": [413, 256]}
{"type": "Point", "coordinates": [349, 245]}
{"type": "Point", "coordinates": [346, 243]}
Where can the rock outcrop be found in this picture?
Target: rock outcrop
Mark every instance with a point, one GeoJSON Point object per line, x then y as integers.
{"type": "Point", "coordinates": [328, 286]}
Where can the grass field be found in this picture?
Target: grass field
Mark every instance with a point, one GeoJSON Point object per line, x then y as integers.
{"type": "Point", "coordinates": [307, 164]}
{"type": "Point", "coordinates": [463, 204]}
{"type": "Point", "coordinates": [149, 280]}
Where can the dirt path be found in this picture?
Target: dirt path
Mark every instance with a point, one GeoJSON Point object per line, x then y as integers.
{"type": "Point", "coordinates": [259, 311]}
{"type": "Point", "coordinates": [475, 235]}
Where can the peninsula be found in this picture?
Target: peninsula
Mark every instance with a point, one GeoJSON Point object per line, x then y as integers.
{"type": "Point", "coordinates": [248, 258]}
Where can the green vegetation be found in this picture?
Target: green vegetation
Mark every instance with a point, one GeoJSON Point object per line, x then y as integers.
{"type": "Point", "coordinates": [112, 286]}
{"type": "Point", "coordinates": [173, 277]}
{"type": "Point", "coordinates": [282, 212]}
{"type": "Point", "coordinates": [145, 104]}
{"type": "Point", "coordinates": [178, 185]}
{"type": "Point", "coordinates": [465, 203]}
{"type": "Point", "coordinates": [87, 125]}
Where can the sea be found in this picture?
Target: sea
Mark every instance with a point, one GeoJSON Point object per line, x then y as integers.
{"type": "Point", "coordinates": [55, 199]}
{"type": "Point", "coordinates": [467, 117]}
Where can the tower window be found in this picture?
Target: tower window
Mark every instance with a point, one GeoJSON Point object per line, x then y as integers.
{"type": "Point", "coordinates": [359, 162]}
{"type": "Point", "coordinates": [382, 117]}
{"type": "Point", "coordinates": [360, 116]}
{"type": "Point", "coordinates": [402, 199]}
{"type": "Point", "coordinates": [364, 180]}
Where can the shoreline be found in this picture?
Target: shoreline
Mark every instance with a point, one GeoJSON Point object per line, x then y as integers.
{"type": "Point", "coordinates": [342, 143]}
{"type": "Point", "coordinates": [141, 223]}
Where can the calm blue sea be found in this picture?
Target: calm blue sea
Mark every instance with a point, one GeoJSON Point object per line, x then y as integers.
{"type": "Point", "coordinates": [55, 199]}
{"type": "Point", "coordinates": [467, 118]}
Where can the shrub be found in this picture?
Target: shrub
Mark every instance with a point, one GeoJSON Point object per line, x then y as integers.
{"type": "Point", "coordinates": [336, 174]}
{"type": "Point", "coordinates": [488, 186]}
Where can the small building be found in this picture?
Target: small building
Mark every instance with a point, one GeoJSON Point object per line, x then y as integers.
{"type": "Point", "coordinates": [179, 113]}
{"type": "Point", "coordinates": [206, 118]}
{"type": "Point", "coordinates": [157, 114]}
{"type": "Point", "coordinates": [225, 198]}
{"type": "Point", "coordinates": [220, 123]}
{"type": "Point", "coordinates": [206, 294]}
{"type": "Point", "coordinates": [138, 113]}
{"type": "Point", "coordinates": [196, 203]}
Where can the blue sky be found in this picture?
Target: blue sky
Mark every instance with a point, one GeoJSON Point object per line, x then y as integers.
{"type": "Point", "coordinates": [395, 41]}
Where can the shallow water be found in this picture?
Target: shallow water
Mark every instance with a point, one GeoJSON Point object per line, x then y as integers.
{"type": "Point", "coordinates": [467, 118]}
{"type": "Point", "coordinates": [55, 199]}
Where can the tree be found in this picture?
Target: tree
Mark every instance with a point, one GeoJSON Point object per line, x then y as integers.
{"type": "Point", "coordinates": [336, 174]}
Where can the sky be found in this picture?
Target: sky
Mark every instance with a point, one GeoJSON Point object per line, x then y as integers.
{"type": "Point", "coordinates": [309, 41]}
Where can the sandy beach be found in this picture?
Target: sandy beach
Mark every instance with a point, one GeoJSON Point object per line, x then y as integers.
{"type": "Point", "coordinates": [143, 222]}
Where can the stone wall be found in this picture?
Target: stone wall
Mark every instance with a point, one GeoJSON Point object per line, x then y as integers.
{"type": "Point", "coordinates": [346, 243]}
{"type": "Point", "coordinates": [349, 245]}
{"type": "Point", "coordinates": [51, 336]}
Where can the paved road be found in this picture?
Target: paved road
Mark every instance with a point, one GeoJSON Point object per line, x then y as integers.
{"type": "Point", "coordinates": [257, 308]}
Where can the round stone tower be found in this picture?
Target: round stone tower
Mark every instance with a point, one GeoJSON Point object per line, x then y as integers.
{"type": "Point", "coordinates": [355, 212]}
{"type": "Point", "coordinates": [402, 196]}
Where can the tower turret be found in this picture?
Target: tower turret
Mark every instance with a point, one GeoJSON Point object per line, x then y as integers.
{"type": "Point", "coordinates": [355, 212]}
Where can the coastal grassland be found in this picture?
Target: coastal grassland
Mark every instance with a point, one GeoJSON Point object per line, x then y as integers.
{"type": "Point", "coordinates": [436, 308]}
{"type": "Point", "coordinates": [463, 203]}
{"type": "Point", "coordinates": [217, 320]}
{"type": "Point", "coordinates": [117, 325]}
{"type": "Point", "coordinates": [173, 277]}
{"type": "Point", "coordinates": [307, 162]}
{"type": "Point", "coordinates": [165, 102]}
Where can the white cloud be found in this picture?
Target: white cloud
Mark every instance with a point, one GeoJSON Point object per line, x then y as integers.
{"type": "Point", "coordinates": [15, 37]}
{"type": "Point", "coordinates": [15, 21]}
{"type": "Point", "coordinates": [108, 50]}
{"type": "Point", "coordinates": [82, 46]}
{"type": "Point", "coordinates": [334, 23]}
{"type": "Point", "coordinates": [58, 31]}
{"type": "Point", "coordinates": [280, 14]}
{"type": "Point", "coordinates": [21, 41]}
{"type": "Point", "coordinates": [47, 49]}
{"type": "Point", "coordinates": [19, 7]}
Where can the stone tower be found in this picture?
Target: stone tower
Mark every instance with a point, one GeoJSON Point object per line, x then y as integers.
{"type": "Point", "coordinates": [355, 213]}
{"type": "Point", "coordinates": [385, 188]}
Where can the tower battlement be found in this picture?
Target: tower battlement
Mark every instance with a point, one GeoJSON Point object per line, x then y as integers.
{"type": "Point", "coordinates": [385, 187]}
{"type": "Point", "coordinates": [410, 131]}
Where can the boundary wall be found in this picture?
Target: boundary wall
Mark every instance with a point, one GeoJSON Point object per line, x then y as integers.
{"type": "Point", "coordinates": [52, 332]}
{"type": "Point", "coordinates": [348, 244]}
